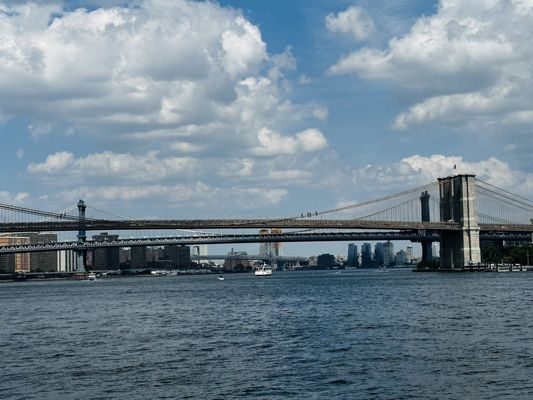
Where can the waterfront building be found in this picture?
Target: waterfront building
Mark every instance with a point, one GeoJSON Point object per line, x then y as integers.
{"type": "Point", "coordinates": [435, 250]}
{"type": "Point", "coordinates": [18, 262]}
{"type": "Point", "coordinates": [378, 254]}
{"type": "Point", "coordinates": [45, 261]}
{"type": "Point", "coordinates": [352, 255]}
{"type": "Point", "coordinates": [326, 261]}
{"type": "Point", "coordinates": [106, 258]}
{"type": "Point", "coordinates": [66, 261]}
{"type": "Point", "coordinates": [179, 255]}
{"type": "Point", "coordinates": [388, 253]}
{"type": "Point", "coordinates": [366, 255]}
{"type": "Point", "coordinates": [401, 258]}
{"type": "Point", "coordinates": [138, 257]}
{"type": "Point", "coordinates": [231, 263]}
{"type": "Point", "coordinates": [201, 250]}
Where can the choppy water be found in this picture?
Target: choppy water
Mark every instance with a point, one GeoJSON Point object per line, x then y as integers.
{"type": "Point", "coordinates": [359, 335]}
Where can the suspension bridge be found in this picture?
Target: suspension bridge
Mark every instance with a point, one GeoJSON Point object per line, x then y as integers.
{"type": "Point", "coordinates": [458, 211]}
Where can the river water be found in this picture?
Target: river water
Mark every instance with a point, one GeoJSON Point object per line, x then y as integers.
{"type": "Point", "coordinates": [295, 335]}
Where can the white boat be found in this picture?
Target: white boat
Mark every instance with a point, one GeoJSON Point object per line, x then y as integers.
{"type": "Point", "coordinates": [264, 270]}
{"type": "Point", "coordinates": [91, 276]}
{"type": "Point", "coordinates": [220, 278]}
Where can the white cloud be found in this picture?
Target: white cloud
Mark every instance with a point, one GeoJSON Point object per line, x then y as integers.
{"type": "Point", "coordinates": [468, 65]}
{"type": "Point", "coordinates": [353, 21]}
{"type": "Point", "coordinates": [122, 167]}
{"type": "Point", "coordinates": [14, 198]}
{"type": "Point", "coordinates": [208, 84]}
{"type": "Point", "coordinates": [420, 170]}
{"type": "Point", "coordinates": [54, 163]}
{"type": "Point", "coordinates": [198, 196]}
{"type": "Point", "coordinates": [272, 143]}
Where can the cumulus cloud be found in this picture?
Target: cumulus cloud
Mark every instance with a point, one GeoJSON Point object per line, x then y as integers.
{"type": "Point", "coordinates": [198, 196]}
{"type": "Point", "coordinates": [419, 170]}
{"type": "Point", "coordinates": [14, 198]}
{"type": "Point", "coordinates": [353, 21]}
{"type": "Point", "coordinates": [468, 65]}
{"type": "Point", "coordinates": [64, 169]}
{"type": "Point", "coordinates": [125, 167]}
{"type": "Point", "coordinates": [208, 84]}
{"type": "Point", "coordinates": [272, 143]}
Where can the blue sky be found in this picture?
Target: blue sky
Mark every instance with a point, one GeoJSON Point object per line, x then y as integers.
{"type": "Point", "coordinates": [252, 108]}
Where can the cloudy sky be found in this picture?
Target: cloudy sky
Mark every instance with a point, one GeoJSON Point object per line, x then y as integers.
{"type": "Point", "coordinates": [239, 108]}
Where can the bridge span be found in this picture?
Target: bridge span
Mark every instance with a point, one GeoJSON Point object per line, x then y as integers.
{"type": "Point", "coordinates": [413, 236]}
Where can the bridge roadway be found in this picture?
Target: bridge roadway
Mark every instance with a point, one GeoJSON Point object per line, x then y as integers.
{"type": "Point", "coordinates": [254, 238]}
{"type": "Point", "coordinates": [296, 223]}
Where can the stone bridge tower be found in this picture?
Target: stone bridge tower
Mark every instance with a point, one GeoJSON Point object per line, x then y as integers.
{"type": "Point", "coordinates": [458, 203]}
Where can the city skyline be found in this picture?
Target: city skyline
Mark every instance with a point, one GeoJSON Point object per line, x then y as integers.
{"type": "Point", "coordinates": [310, 104]}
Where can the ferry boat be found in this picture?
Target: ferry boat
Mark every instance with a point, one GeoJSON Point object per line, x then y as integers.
{"type": "Point", "coordinates": [264, 270]}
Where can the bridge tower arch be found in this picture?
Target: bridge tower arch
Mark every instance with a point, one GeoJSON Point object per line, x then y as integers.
{"type": "Point", "coordinates": [458, 204]}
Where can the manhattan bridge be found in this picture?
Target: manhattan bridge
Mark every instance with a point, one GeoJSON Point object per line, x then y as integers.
{"type": "Point", "coordinates": [458, 211]}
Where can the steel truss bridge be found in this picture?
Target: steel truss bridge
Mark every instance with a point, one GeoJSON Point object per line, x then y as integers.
{"type": "Point", "coordinates": [414, 236]}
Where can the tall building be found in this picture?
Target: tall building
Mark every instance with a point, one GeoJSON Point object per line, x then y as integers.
{"type": "Point", "coordinates": [401, 258]}
{"type": "Point", "coordinates": [45, 261]}
{"type": "Point", "coordinates": [66, 261]}
{"type": "Point", "coordinates": [353, 256]}
{"type": "Point", "coordinates": [378, 254]}
{"type": "Point", "coordinates": [138, 257]}
{"type": "Point", "coordinates": [106, 258]}
{"type": "Point", "coordinates": [264, 247]}
{"type": "Point", "coordinates": [388, 253]}
{"type": "Point", "coordinates": [366, 255]}
{"type": "Point", "coordinates": [18, 262]}
{"type": "Point", "coordinates": [201, 250]}
{"type": "Point", "coordinates": [268, 249]}
{"type": "Point", "coordinates": [276, 246]}
{"type": "Point", "coordinates": [180, 256]}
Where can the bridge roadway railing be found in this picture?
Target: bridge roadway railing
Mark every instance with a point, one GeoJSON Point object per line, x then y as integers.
{"type": "Point", "coordinates": [254, 238]}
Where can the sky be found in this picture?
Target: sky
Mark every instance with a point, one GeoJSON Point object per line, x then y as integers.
{"type": "Point", "coordinates": [198, 109]}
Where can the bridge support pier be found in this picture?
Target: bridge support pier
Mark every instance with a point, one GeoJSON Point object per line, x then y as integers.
{"type": "Point", "coordinates": [459, 249]}
{"type": "Point", "coordinates": [427, 254]}
{"type": "Point", "coordinates": [81, 255]}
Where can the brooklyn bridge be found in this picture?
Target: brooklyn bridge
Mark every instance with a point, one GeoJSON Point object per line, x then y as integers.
{"type": "Point", "coordinates": [457, 211]}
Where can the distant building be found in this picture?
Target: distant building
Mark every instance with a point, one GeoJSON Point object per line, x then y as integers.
{"type": "Point", "coordinates": [138, 257]}
{"type": "Point", "coordinates": [435, 250]}
{"type": "Point", "coordinates": [201, 250]}
{"type": "Point", "coordinates": [268, 249]}
{"type": "Point", "coordinates": [388, 253]}
{"type": "Point", "coordinates": [180, 256]}
{"type": "Point", "coordinates": [231, 264]}
{"type": "Point", "coordinates": [402, 258]}
{"type": "Point", "coordinates": [366, 255]}
{"type": "Point", "coordinates": [353, 255]}
{"type": "Point", "coordinates": [66, 261]}
{"type": "Point", "coordinates": [106, 258]}
{"type": "Point", "coordinates": [45, 261]}
{"type": "Point", "coordinates": [378, 255]}
{"type": "Point", "coordinates": [18, 262]}
{"type": "Point", "coordinates": [326, 261]}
